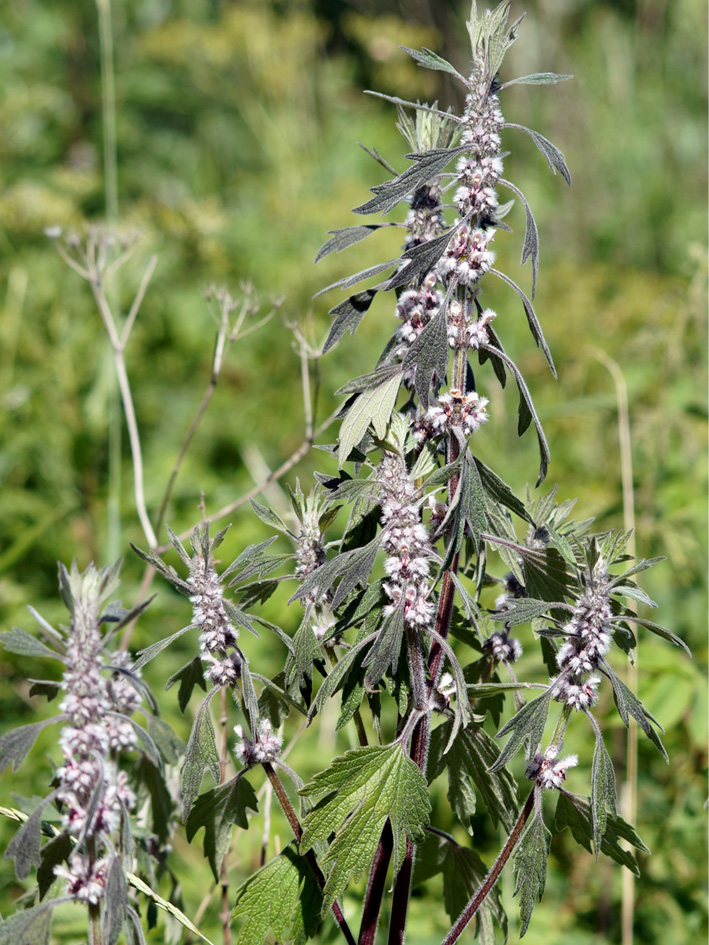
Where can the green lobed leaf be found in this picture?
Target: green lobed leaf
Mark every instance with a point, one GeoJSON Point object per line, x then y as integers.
{"type": "Point", "coordinates": [363, 788]}
{"type": "Point", "coordinates": [28, 927]}
{"type": "Point", "coordinates": [603, 791]}
{"type": "Point", "coordinates": [469, 766]}
{"type": "Point", "coordinates": [352, 567]}
{"type": "Point", "coordinates": [282, 898]}
{"type": "Point", "coordinates": [575, 813]}
{"type": "Point", "coordinates": [191, 675]}
{"type": "Point", "coordinates": [530, 864]}
{"type": "Point", "coordinates": [628, 704]}
{"type": "Point", "coordinates": [217, 811]}
{"type": "Point", "coordinates": [417, 261]}
{"type": "Point", "coordinates": [429, 355]}
{"type": "Point", "coordinates": [427, 164]}
{"type": "Point", "coordinates": [336, 677]}
{"type": "Point", "coordinates": [201, 753]}
{"type": "Point", "coordinates": [115, 899]}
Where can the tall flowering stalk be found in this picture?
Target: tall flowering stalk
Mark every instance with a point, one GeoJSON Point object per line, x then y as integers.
{"type": "Point", "coordinates": [392, 606]}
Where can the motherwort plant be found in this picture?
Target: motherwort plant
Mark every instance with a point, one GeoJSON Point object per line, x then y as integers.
{"type": "Point", "coordinates": [400, 623]}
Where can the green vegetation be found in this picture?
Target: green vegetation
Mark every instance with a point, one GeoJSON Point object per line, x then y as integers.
{"type": "Point", "coordinates": [236, 129]}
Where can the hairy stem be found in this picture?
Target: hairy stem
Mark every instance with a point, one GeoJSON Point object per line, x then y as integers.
{"type": "Point", "coordinates": [488, 883]}
{"type": "Point", "coordinates": [225, 915]}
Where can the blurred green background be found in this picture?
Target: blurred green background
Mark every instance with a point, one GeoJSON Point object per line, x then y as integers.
{"type": "Point", "coordinates": [236, 129]}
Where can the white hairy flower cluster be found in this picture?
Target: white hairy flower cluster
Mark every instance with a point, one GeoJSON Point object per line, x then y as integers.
{"type": "Point", "coordinates": [588, 639]}
{"type": "Point", "coordinates": [467, 334]}
{"type": "Point", "coordinates": [310, 552]}
{"type": "Point", "coordinates": [466, 412]}
{"type": "Point", "coordinates": [503, 648]}
{"type": "Point", "coordinates": [405, 540]}
{"type": "Point", "coordinates": [467, 257]}
{"type": "Point", "coordinates": [482, 120]}
{"type": "Point", "coordinates": [547, 771]}
{"type": "Point", "coordinates": [416, 308]}
{"type": "Point", "coordinates": [425, 220]}
{"type": "Point", "coordinates": [93, 792]}
{"type": "Point", "coordinates": [266, 746]}
{"type": "Point", "coordinates": [218, 633]}
{"type": "Point", "coordinates": [476, 194]}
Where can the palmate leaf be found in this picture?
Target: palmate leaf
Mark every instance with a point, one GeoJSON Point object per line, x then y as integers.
{"type": "Point", "coordinates": [575, 812]}
{"type": "Point", "coordinates": [363, 788]}
{"type": "Point", "coordinates": [283, 898]}
{"type": "Point", "coordinates": [530, 864]}
{"type": "Point", "coordinates": [217, 811]}
{"type": "Point", "coordinates": [468, 763]}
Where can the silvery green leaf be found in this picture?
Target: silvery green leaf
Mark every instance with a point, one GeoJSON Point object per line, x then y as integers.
{"type": "Point", "coordinates": [373, 406]}
{"type": "Point", "coordinates": [530, 249]}
{"type": "Point", "coordinates": [24, 847]}
{"type": "Point", "coordinates": [427, 164]}
{"type": "Point", "coordinates": [16, 744]}
{"type": "Point", "coordinates": [538, 78]}
{"type": "Point", "coordinates": [115, 901]}
{"type": "Point", "coordinates": [527, 724]}
{"type": "Point", "coordinates": [169, 744]}
{"type": "Point", "coordinates": [277, 694]}
{"type": "Point", "coordinates": [603, 792]}
{"type": "Point", "coordinates": [352, 567]}
{"type": "Point", "coordinates": [628, 704]}
{"type": "Point", "coordinates": [348, 315]}
{"type": "Point", "coordinates": [530, 863]}
{"type": "Point", "coordinates": [368, 381]}
{"type": "Point", "coordinates": [429, 355]}
{"type": "Point", "coordinates": [342, 239]}
{"type": "Point", "coordinates": [418, 261]}
{"type": "Point", "coordinates": [249, 561]}
{"type": "Point", "coordinates": [336, 677]}
{"type": "Point", "coordinates": [270, 517]}
{"type": "Point", "coordinates": [201, 753]}
{"type": "Point", "coordinates": [552, 155]}
{"type": "Point", "coordinates": [634, 593]}
{"type": "Point", "coordinates": [29, 926]}
{"type": "Point", "coordinates": [431, 60]}
{"type": "Point", "coordinates": [151, 652]}
{"type": "Point", "coordinates": [19, 641]}
{"type": "Point", "coordinates": [306, 648]}
{"type": "Point", "coordinates": [498, 366]}
{"type": "Point", "coordinates": [217, 811]}
{"type": "Point", "coordinates": [517, 612]}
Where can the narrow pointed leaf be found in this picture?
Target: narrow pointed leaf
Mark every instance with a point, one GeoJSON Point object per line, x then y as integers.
{"type": "Point", "coordinates": [348, 315]}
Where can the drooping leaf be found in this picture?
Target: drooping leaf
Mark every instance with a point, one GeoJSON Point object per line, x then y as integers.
{"type": "Point", "coordinates": [55, 852]}
{"type": "Point", "coordinates": [217, 811]}
{"type": "Point", "coordinates": [113, 915]}
{"type": "Point", "coordinates": [17, 743]}
{"type": "Point", "coordinates": [628, 704]}
{"type": "Point", "coordinates": [532, 319]}
{"type": "Point", "coordinates": [384, 654]}
{"type": "Point", "coordinates": [575, 812]}
{"type": "Point", "coordinates": [418, 261]}
{"type": "Point", "coordinates": [530, 249]}
{"type": "Point", "coordinates": [282, 898]}
{"type": "Point", "coordinates": [161, 801]}
{"type": "Point", "coordinates": [361, 790]}
{"type": "Point", "coordinates": [201, 753]}
{"type": "Point", "coordinates": [552, 155]}
{"type": "Point", "coordinates": [530, 863]}
{"type": "Point", "coordinates": [499, 491]}
{"type": "Point", "coordinates": [24, 847]}
{"type": "Point", "coordinates": [346, 237]}
{"type": "Point", "coordinates": [299, 663]}
{"type": "Point", "coordinates": [657, 629]}
{"type": "Point", "coordinates": [348, 315]}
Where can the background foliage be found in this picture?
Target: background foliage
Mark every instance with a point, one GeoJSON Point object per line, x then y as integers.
{"type": "Point", "coordinates": [236, 126]}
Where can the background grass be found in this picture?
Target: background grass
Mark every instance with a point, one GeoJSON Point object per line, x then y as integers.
{"type": "Point", "coordinates": [236, 130]}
